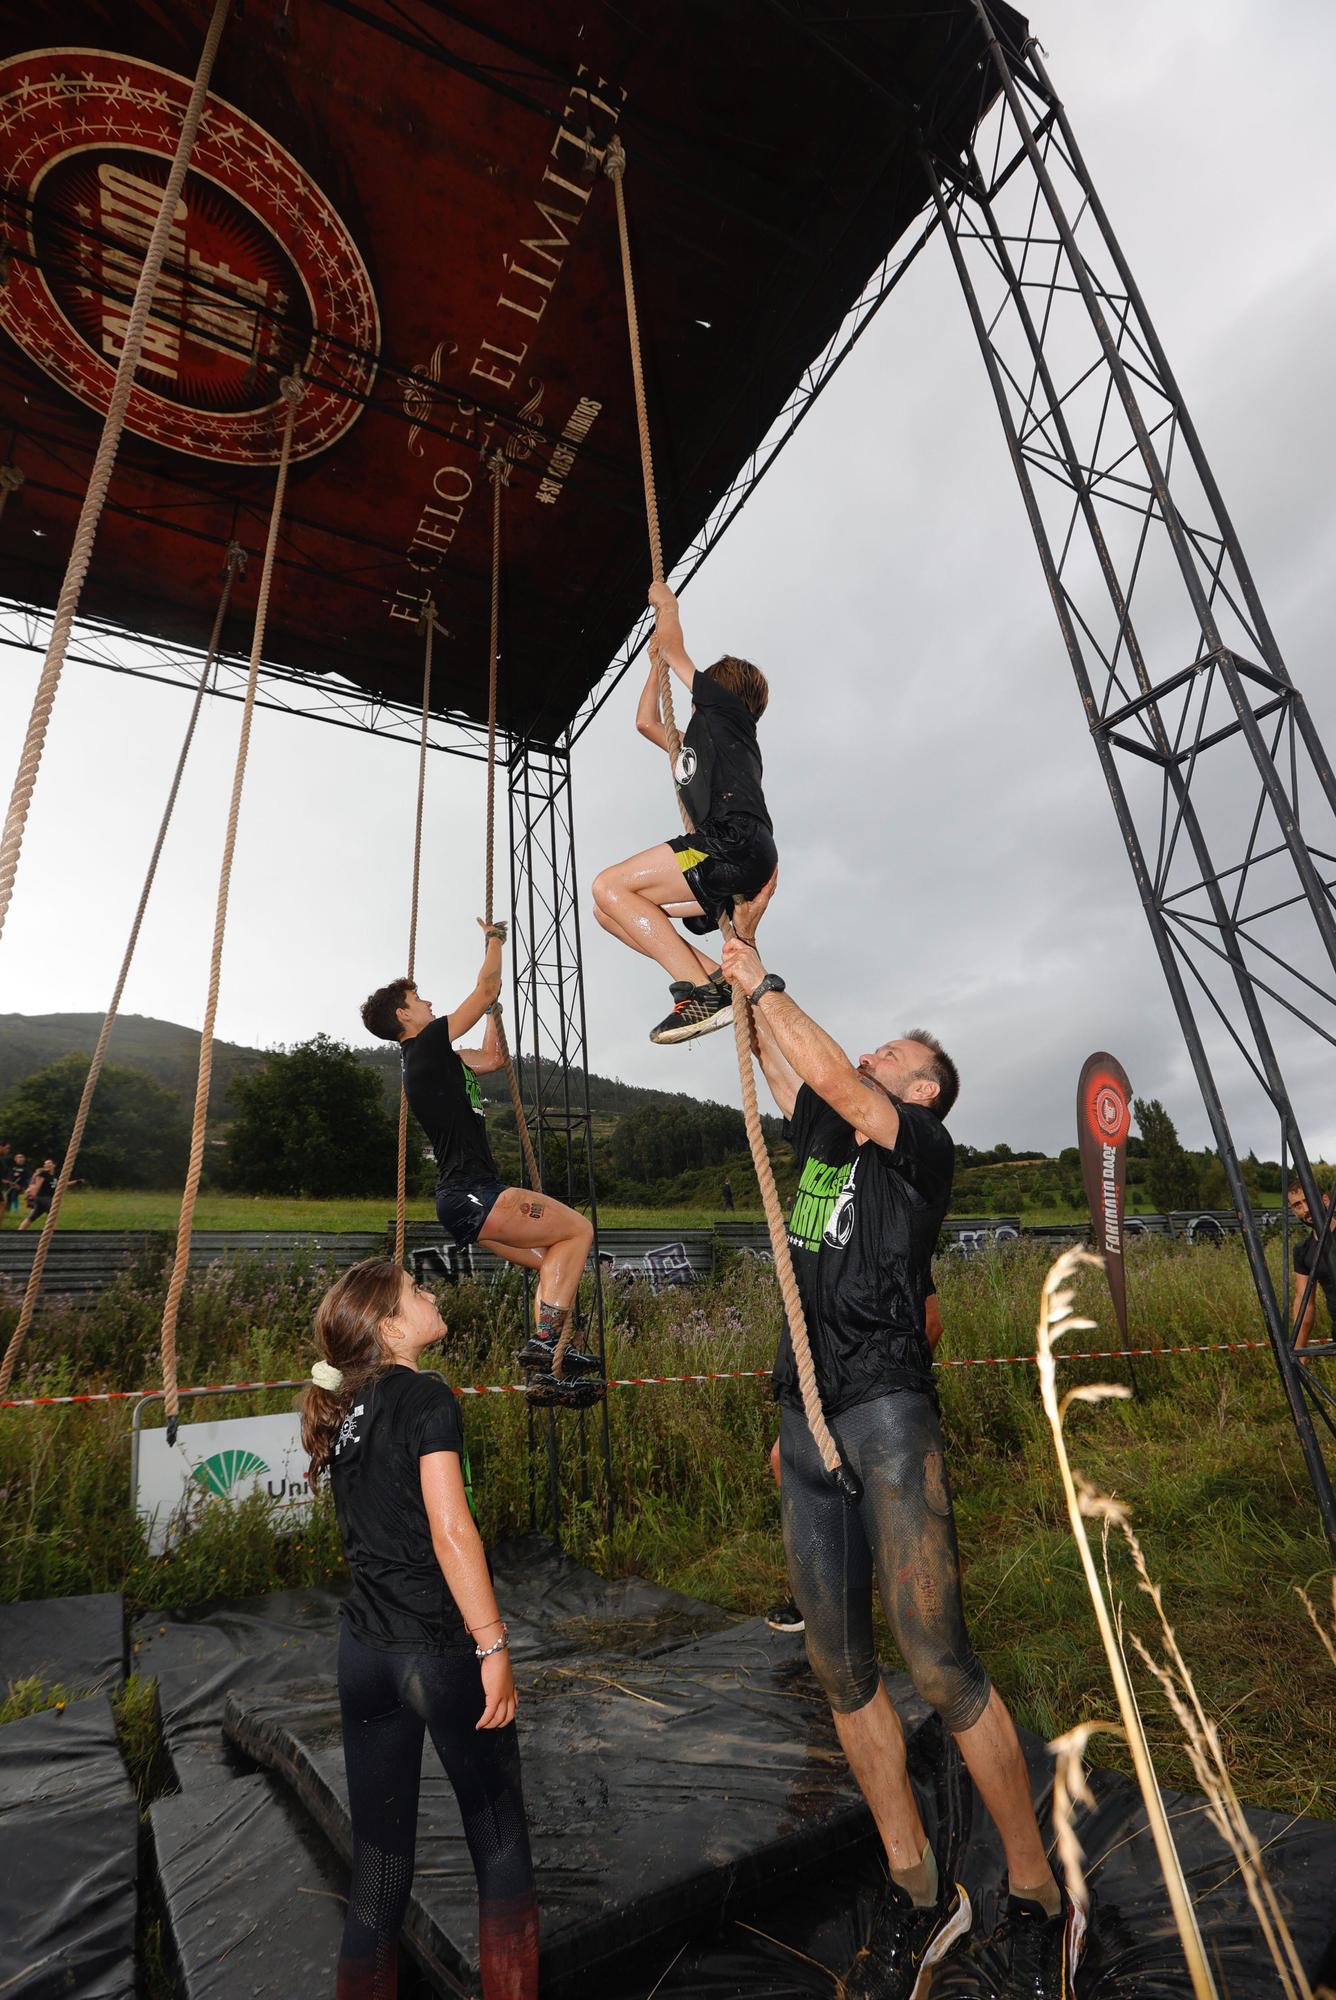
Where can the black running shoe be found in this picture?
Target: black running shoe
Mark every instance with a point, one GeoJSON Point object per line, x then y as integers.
{"type": "Point", "coordinates": [536, 1357]}
{"type": "Point", "coordinates": [905, 1944]}
{"type": "Point", "coordinates": [697, 1010]}
{"type": "Point", "coordinates": [785, 1617]}
{"type": "Point", "coordinates": [550, 1392]}
{"type": "Point", "coordinates": [1031, 1956]}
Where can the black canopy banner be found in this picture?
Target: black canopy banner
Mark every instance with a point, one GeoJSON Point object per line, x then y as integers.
{"type": "Point", "coordinates": [405, 201]}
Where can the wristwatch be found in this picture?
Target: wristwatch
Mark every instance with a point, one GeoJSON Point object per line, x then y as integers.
{"type": "Point", "coordinates": [772, 983]}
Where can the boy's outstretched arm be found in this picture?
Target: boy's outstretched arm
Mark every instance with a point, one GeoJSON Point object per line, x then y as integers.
{"type": "Point", "coordinates": [488, 986]}
{"type": "Point", "coordinates": [668, 634]}
{"type": "Point", "coordinates": [483, 1060]}
{"type": "Point", "coordinates": [648, 720]}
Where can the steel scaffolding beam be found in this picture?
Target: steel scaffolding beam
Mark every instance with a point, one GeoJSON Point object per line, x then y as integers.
{"type": "Point", "coordinates": [1222, 791]}
{"type": "Point", "coordinates": [547, 984]}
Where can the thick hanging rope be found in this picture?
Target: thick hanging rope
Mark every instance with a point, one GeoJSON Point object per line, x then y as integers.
{"type": "Point", "coordinates": [498, 472]}
{"type": "Point", "coordinates": [291, 390]}
{"type": "Point", "coordinates": [615, 167]}
{"type": "Point", "coordinates": [236, 562]}
{"type": "Point", "coordinates": [400, 1188]}
{"type": "Point", "coordinates": [11, 841]}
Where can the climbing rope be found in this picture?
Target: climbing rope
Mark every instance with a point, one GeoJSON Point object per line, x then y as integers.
{"type": "Point", "coordinates": [428, 623]}
{"type": "Point", "coordinates": [236, 562]}
{"type": "Point", "coordinates": [90, 513]}
{"type": "Point", "coordinates": [291, 390]}
{"type": "Point", "coordinates": [498, 472]}
{"type": "Point", "coordinates": [615, 167]}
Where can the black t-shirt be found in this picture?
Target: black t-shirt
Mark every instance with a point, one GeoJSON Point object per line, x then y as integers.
{"type": "Point", "coordinates": [444, 1097]}
{"type": "Point", "coordinates": [719, 770]}
{"type": "Point", "coordinates": [399, 1600]}
{"type": "Point", "coordinates": [1306, 1254]}
{"type": "Point", "coordinates": [862, 1234]}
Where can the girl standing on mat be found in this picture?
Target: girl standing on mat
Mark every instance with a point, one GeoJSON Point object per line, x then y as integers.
{"type": "Point", "coordinates": [731, 851]}
{"type": "Point", "coordinates": [422, 1645]}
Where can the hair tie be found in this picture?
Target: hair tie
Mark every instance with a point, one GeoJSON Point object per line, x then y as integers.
{"type": "Point", "coordinates": [325, 1375]}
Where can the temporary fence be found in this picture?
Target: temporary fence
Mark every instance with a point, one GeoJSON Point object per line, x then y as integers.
{"type": "Point", "coordinates": [634, 1381]}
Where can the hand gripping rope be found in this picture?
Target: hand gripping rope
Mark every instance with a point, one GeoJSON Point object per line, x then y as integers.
{"type": "Point", "coordinates": [99, 479]}
{"type": "Point", "coordinates": [291, 390]}
{"type": "Point", "coordinates": [236, 563]}
{"type": "Point", "coordinates": [843, 1476]}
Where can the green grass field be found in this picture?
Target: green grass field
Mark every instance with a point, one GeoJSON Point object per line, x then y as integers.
{"type": "Point", "coordinates": [131, 1209]}
{"type": "Point", "coordinates": [1205, 1456]}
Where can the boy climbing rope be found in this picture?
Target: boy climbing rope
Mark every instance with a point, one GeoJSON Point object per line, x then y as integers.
{"type": "Point", "coordinates": [732, 850]}
{"type": "Point", "coordinates": [523, 1225]}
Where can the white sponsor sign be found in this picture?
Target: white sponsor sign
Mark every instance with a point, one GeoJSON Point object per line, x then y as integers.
{"type": "Point", "coordinates": [226, 1460]}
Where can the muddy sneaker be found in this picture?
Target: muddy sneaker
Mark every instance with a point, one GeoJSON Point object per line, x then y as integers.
{"type": "Point", "coordinates": [549, 1392]}
{"type": "Point", "coordinates": [698, 1010]}
{"type": "Point", "coordinates": [905, 1944]}
{"type": "Point", "coordinates": [785, 1617]}
{"type": "Point", "coordinates": [1034, 1956]}
{"type": "Point", "coordinates": [535, 1358]}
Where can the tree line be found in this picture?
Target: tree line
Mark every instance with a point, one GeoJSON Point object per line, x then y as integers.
{"type": "Point", "coordinates": [316, 1120]}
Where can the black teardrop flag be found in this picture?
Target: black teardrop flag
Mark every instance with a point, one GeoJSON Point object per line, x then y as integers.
{"type": "Point", "coordinates": [1103, 1116]}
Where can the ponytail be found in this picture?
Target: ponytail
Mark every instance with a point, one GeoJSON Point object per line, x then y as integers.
{"type": "Point", "coordinates": [347, 1337]}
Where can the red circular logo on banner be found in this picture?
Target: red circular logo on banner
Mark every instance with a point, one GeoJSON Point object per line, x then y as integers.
{"type": "Point", "coordinates": [1107, 1112]}
{"type": "Point", "coordinates": [260, 275]}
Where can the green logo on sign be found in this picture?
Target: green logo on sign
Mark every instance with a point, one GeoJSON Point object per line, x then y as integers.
{"type": "Point", "coordinates": [227, 1469]}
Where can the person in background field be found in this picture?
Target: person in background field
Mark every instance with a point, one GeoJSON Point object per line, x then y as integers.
{"type": "Point", "coordinates": [785, 1616]}
{"type": "Point", "coordinates": [18, 1180]}
{"type": "Point", "coordinates": [524, 1226]}
{"type": "Point", "coordinates": [730, 852]}
{"type": "Point", "coordinates": [728, 1195]}
{"type": "Point", "coordinates": [876, 1165]}
{"type": "Point", "coordinates": [422, 1646]}
{"type": "Point", "coordinates": [1313, 1254]}
{"type": "Point", "coordinates": [40, 1194]}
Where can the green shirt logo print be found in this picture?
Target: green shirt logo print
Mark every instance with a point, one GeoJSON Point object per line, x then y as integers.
{"type": "Point", "coordinates": [820, 1189]}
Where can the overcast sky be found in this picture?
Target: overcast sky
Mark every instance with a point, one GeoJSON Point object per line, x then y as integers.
{"type": "Point", "coordinates": [949, 855]}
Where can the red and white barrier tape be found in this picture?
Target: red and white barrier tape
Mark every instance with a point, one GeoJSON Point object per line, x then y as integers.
{"type": "Point", "coordinates": [634, 1381]}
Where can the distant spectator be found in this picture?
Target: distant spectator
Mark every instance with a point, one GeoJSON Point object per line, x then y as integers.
{"type": "Point", "coordinates": [40, 1194]}
{"type": "Point", "coordinates": [18, 1180]}
{"type": "Point", "coordinates": [6, 1168]}
{"type": "Point", "coordinates": [728, 1193]}
{"type": "Point", "coordinates": [1316, 1251]}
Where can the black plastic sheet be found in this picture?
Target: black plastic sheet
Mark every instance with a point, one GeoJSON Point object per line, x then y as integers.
{"type": "Point", "coordinates": [77, 1643]}
{"type": "Point", "coordinates": [254, 1900]}
{"type": "Point", "coordinates": [69, 1834]}
{"type": "Point", "coordinates": [655, 1789]}
{"type": "Point", "coordinates": [791, 1947]}
{"type": "Point", "coordinates": [293, 1635]}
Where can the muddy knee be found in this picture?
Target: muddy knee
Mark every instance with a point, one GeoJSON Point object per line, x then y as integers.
{"type": "Point", "coordinates": [958, 1688]}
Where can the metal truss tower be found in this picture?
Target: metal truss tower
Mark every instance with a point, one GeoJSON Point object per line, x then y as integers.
{"type": "Point", "coordinates": [547, 971]}
{"type": "Point", "coordinates": [1221, 789]}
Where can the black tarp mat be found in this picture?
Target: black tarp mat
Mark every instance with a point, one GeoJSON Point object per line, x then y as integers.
{"type": "Point", "coordinates": [77, 1643]}
{"type": "Point", "coordinates": [792, 1947]}
{"type": "Point", "coordinates": [292, 1635]}
{"type": "Point", "coordinates": [69, 1837]}
{"type": "Point", "coordinates": [655, 1790]}
{"type": "Point", "coordinates": [254, 1898]}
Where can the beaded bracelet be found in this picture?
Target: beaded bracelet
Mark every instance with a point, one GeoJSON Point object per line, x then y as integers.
{"type": "Point", "coordinates": [502, 1646]}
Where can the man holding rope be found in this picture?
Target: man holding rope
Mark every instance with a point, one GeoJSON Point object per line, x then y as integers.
{"type": "Point", "coordinates": [876, 1164]}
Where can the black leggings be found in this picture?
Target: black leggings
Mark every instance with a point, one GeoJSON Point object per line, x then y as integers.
{"type": "Point", "coordinates": [904, 1529]}
{"type": "Point", "coordinates": [388, 1699]}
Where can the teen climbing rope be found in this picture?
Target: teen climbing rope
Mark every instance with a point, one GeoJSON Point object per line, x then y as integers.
{"type": "Point", "coordinates": [523, 1225]}
{"type": "Point", "coordinates": [422, 1645]}
{"type": "Point", "coordinates": [730, 850]}
{"type": "Point", "coordinates": [875, 1169]}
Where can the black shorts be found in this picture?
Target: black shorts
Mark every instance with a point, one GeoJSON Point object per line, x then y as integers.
{"type": "Point", "coordinates": [462, 1207]}
{"type": "Point", "coordinates": [722, 859]}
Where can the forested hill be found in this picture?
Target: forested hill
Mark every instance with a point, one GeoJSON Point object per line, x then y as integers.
{"type": "Point", "coordinates": [170, 1053]}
